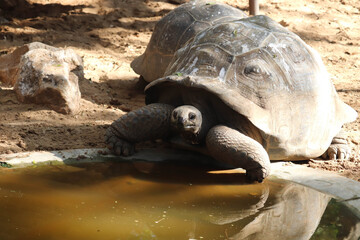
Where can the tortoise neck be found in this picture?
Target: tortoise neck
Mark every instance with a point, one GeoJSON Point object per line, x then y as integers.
{"type": "Point", "coordinates": [208, 121]}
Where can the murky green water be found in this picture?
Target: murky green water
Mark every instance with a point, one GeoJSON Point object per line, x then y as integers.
{"type": "Point", "coordinates": [162, 201]}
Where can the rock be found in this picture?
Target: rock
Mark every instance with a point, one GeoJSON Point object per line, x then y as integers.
{"type": "Point", "coordinates": [50, 76]}
{"type": "Point", "coordinates": [9, 64]}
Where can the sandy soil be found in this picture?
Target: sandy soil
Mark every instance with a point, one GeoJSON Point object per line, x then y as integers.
{"type": "Point", "coordinates": [109, 34]}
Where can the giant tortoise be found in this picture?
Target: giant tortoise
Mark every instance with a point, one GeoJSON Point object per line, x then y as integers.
{"type": "Point", "coordinates": [248, 91]}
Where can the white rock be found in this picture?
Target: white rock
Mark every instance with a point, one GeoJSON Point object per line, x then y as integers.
{"type": "Point", "coordinates": [9, 63]}
{"type": "Point", "coordinates": [50, 77]}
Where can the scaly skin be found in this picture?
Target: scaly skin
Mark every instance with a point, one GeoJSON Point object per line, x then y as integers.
{"type": "Point", "coordinates": [223, 143]}
{"type": "Point", "coordinates": [150, 122]}
{"type": "Point", "coordinates": [338, 148]}
{"type": "Point", "coordinates": [234, 148]}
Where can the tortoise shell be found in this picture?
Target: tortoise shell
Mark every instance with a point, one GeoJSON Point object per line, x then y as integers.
{"type": "Point", "coordinates": [175, 29]}
{"type": "Point", "coordinates": [267, 74]}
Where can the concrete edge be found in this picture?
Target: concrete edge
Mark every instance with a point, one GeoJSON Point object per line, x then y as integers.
{"type": "Point", "coordinates": [343, 189]}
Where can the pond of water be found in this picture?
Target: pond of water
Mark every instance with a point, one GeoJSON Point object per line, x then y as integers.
{"type": "Point", "coordinates": [143, 200]}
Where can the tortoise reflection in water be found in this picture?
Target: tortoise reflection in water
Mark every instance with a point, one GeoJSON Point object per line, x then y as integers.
{"type": "Point", "coordinates": [247, 90]}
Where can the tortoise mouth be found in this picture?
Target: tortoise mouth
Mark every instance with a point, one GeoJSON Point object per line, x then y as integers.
{"type": "Point", "coordinates": [189, 126]}
{"type": "Point", "coordinates": [186, 127]}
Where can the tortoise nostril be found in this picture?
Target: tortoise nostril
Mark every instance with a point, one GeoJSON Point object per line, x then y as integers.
{"type": "Point", "coordinates": [180, 120]}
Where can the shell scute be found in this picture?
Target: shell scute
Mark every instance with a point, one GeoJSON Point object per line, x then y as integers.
{"type": "Point", "coordinates": [164, 37]}
{"type": "Point", "coordinates": [213, 13]}
{"type": "Point", "coordinates": [177, 28]}
{"type": "Point", "coordinates": [206, 60]}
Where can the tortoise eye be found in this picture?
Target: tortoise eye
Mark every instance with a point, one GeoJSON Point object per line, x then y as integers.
{"type": "Point", "coordinates": [252, 70]}
{"type": "Point", "coordinates": [192, 116]}
{"type": "Point", "coordinates": [174, 114]}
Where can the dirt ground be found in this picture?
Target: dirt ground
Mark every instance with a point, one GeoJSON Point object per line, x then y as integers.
{"type": "Point", "coordinates": [109, 34]}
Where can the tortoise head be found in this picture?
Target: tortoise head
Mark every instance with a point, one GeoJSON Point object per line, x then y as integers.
{"type": "Point", "coordinates": [187, 120]}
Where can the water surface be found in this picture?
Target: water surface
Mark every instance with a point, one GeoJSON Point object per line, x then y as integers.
{"type": "Point", "coordinates": [162, 201]}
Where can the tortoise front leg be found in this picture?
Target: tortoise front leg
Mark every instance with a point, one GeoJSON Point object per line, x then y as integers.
{"type": "Point", "coordinates": [150, 122]}
{"type": "Point", "coordinates": [234, 148]}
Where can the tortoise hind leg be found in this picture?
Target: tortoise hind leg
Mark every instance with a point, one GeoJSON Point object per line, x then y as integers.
{"type": "Point", "coordinates": [150, 122]}
{"type": "Point", "coordinates": [234, 148]}
{"type": "Point", "coordinates": [338, 148]}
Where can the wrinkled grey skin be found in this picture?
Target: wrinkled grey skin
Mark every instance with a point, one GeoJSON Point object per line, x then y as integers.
{"type": "Point", "coordinates": [248, 91]}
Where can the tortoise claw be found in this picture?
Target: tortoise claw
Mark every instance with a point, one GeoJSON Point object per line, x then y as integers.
{"type": "Point", "coordinates": [257, 174]}
{"type": "Point", "coordinates": [337, 151]}
{"type": "Point", "coordinates": [118, 146]}
{"type": "Point", "coordinates": [339, 148]}
{"type": "Point", "coordinates": [123, 148]}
